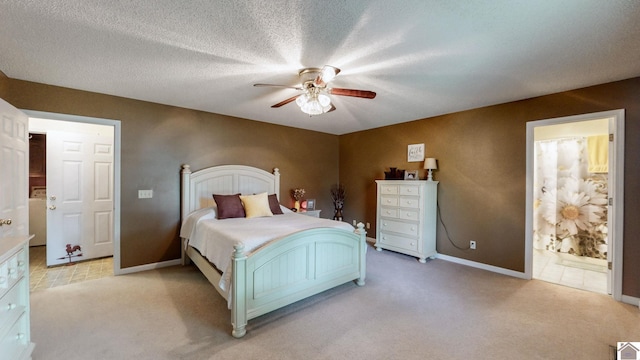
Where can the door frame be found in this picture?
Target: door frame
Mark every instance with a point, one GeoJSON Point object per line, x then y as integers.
{"type": "Point", "coordinates": [117, 268]}
{"type": "Point", "coordinates": [616, 190]}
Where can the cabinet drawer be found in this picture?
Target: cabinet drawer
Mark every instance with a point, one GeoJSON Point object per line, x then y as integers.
{"type": "Point", "coordinates": [16, 341]}
{"type": "Point", "coordinates": [389, 189]}
{"type": "Point", "coordinates": [410, 190]}
{"type": "Point", "coordinates": [399, 227]}
{"type": "Point", "coordinates": [409, 202]}
{"type": "Point", "coordinates": [12, 270]}
{"type": "Point", "coordinates": [389, 212]}
{"type": "Point", "coordinates": [387, 200]}
{"type": "Point", "coordinates": [11, 304]}
{"type": "Point", "coordinates": [409, 214]}
{"type": "Point", "coordinates": [399, 242]}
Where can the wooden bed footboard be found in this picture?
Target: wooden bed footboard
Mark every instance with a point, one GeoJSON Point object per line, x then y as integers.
{"type": "Point", "coordinates": [294, 268]}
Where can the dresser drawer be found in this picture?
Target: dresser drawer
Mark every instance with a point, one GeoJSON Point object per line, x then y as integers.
{"type": "Point", "coordinates": [389, 189]}
{"type": "Point", "coordinates": [11, 304]}
{"type": "Point", "coordinates": [399, 227]}
{"type": "Point", "coordinates": [410, 190]}
{"type": "Point", "coordinates": [16, 344]}
{"type": "Point", "coordinates": [389, 212]}
{"type": "Point", "coordinates": [409, 202]}
{"type": "Point", "coordinates": [399, 242]}
{"type": "Point", "coordinates": [12, 270]}
{"type": "Point", "coordinates": [388, 200]}
{"type": "Point", "coordinates": [405, 214]}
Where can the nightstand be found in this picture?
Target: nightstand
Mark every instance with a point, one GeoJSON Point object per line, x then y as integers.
{"type": "Point", "coordinates": [314, 213]}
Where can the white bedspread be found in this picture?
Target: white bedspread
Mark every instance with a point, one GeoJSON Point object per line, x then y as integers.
{"type": "Point", "coordinates": [215, 239]}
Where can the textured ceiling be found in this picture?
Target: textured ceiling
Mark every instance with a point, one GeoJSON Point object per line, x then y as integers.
{"type": "Point", "coordinates": [423, 58]}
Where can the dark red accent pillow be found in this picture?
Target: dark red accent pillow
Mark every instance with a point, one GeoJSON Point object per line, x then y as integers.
{"type": "Point", "coordinates": [229, 206]}
{"type": "Point", "coordinates": [274, 205]}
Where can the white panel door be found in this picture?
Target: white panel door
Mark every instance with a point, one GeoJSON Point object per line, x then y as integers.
{"type": "Point", "coordinates": [14, 182]}
{"type": "Point", "coordinates": [79, 196]}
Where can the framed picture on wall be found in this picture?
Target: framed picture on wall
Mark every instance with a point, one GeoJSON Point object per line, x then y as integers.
{"type": "Point", "coordinates": [415, 152]}
{"type": "Point", "coordinates": [311, 204]}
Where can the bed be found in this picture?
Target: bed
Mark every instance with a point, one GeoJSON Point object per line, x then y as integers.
{"type": "Point", "coordinates": [279, 272]}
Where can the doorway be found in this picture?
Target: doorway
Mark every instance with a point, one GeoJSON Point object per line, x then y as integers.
{"type": "Point", "coordinates": [574, 224]}
{"type": "Point", "coordinates": [61, 122]}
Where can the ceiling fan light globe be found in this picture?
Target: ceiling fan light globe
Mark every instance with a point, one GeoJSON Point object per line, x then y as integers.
{"type": "Point", "coordinates": [324, 100]}
{"type": "Point", "coordinates": [328, 73]}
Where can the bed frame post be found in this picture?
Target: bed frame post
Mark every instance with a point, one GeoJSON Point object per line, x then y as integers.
{"type": "Point", "coordinates": [238, 295]}
{"type": "Point", "coordinates": [363, 251]}
{"type": "Point", "coordinates": [276, 181]}
{"type": "Point", "coordinates": [186, 198]}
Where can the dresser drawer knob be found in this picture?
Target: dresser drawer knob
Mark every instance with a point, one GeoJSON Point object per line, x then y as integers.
{"type": "Point", "coordinates": [11, 306]}
{"type": "Point", "coordinates": [409, 190]}
{"type": "Point", "coordinates": [21, 263]}
{"type": "Point", "coordinates": [412, 244]}
{"type": "Point", "coordinates": [413, 228]}
{"type": "Point", "coordinates": [11, 271]}
{"type": "Point", "coordinates": [20, 336]}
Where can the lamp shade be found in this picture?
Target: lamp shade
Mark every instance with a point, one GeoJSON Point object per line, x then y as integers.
{"type": "Point", "coordinates": [430, 163]}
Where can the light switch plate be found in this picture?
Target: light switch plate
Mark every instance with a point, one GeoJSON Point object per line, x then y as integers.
{"type": "Point", "coordinates": [145, 194]}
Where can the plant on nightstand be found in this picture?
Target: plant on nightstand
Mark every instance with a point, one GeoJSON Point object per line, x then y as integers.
{"type": "Point", "coordinates": [338, 195]}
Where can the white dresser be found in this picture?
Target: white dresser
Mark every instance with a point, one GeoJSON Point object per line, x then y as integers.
{"type": "Point", "coordinates": [406, 217]}
{"type": "Point", "coordinates": [15, 334]}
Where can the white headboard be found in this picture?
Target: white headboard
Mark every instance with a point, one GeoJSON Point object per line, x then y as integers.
{"type": "Point", "coordinates": [198, 187]}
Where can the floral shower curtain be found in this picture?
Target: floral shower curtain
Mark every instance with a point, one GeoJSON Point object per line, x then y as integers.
{"type": "Point", "coordinates": [570, 204]}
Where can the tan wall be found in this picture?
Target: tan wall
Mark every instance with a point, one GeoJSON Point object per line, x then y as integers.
{"type": "Point", "coordinates": [482, 172]}
{"type": "Point", "coordinates": [158, 139]}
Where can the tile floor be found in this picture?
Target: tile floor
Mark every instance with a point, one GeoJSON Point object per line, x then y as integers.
{"type": "Point", "coordinates": [42, 277]}
{"type": "Point", "coordinates": [564, 270]}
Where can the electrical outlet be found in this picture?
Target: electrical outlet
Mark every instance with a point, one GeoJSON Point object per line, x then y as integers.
{"type": "Point", "coordinates": [354, 223]}
{"type": "Point", "coordinates": [472, 245]}
{"type": "Point", "coordinates": [368, 226]}
{"type": "Point", "coordinates": [145, 194]}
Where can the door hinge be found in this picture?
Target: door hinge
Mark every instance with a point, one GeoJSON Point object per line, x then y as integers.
{"type": "Point", "coordinates": [610, 137]}
{"type": "Point", "coordinates": [610, 201]}
{"type": "Point", "coordinates": [610, 265]}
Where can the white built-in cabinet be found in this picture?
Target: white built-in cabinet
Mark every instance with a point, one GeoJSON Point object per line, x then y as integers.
{"type": "Point", "coordinates": [15, 338]}
{"type": "Point", "coordinates": [406, 217]}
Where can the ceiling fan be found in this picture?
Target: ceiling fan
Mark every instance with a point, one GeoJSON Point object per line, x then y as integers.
{"type": "Point", "coordinates": [314, 99]}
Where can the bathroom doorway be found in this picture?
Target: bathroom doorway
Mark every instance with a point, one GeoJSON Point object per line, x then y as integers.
{"type": "Point", "coordinates": [574, 176]}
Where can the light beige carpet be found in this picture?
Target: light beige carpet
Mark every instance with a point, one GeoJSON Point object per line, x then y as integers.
{"type": "Point", "coordinates": [407, 310]}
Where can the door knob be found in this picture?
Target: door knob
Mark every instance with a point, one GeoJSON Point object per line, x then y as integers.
{"type": "Point", "coordinates": [52, 207]}
{"type": "Point", "coordinates": [5, 222]}
{"type": "Point", "coordinates": [53, 197]}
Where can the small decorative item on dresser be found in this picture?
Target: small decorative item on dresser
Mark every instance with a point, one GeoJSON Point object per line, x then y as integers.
{"type": "Point", "coordinates": [311, 204]}
{"type": "Point", "coordinates": [297, 194]}
{"type": "Point", "coordinates": [411, 175]}
{"type": "Point", "coordinates": [394, 174]}
{"type": "Point", "coordinates": [338, 195]}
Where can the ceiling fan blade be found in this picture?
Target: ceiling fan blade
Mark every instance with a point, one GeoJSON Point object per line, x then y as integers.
{"type": "Point", "coordinates": [285, 102]}
{"type": "Point", "coordinates": [351, 92]}
{"type": "Point", "coordinates": [276, 85]}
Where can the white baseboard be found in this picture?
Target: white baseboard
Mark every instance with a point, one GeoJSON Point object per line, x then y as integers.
{"type": "Point", "coordinates": [625, 298]}
{"type": "Point", "coordinates": [158, 265]}
{"type": "Point", "coordinates": [631, 300]}
{"type": "Point", "coordinates": [482, 266]}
